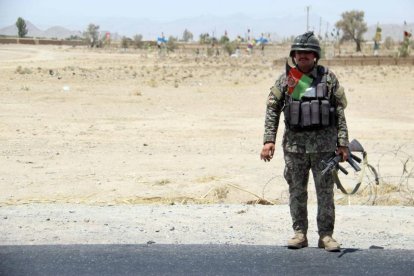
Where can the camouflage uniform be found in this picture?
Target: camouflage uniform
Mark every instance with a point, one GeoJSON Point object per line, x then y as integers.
{"type": "Point", "coordinates": [304, 150]}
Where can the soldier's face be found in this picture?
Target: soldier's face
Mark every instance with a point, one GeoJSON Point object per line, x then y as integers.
{"type": "Point", "coordinates": [305, 60]}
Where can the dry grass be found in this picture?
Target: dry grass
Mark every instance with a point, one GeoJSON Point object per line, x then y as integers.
{"type": "Point", "coordinates": [221, 192]}
{"type": "Point", "coordinates": [137, 92]}
{"type": "Point", "coordinates": [162, 182]}
{"type": "Point", "coordinates": [207, 178]}
{"type": "Point", "coordinates": [383, 194]}
{"type": "Point", "coordinates": [23, 71]}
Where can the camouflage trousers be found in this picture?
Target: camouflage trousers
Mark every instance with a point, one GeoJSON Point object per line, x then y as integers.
{"type": "Point", "coordinates": [296, 174]}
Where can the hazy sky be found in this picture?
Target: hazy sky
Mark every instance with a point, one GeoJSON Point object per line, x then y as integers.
{"type": "Point", "coordinates": [76, 13]}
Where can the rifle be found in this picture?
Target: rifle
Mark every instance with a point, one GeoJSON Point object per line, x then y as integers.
{"type": "Point", "coordinates": [333, 162]}
{"type": "Point", "coordinates": [332, 165]}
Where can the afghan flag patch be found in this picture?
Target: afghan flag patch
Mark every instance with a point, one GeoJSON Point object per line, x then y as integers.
{"type": "Point", "coordinates": [297, 83]}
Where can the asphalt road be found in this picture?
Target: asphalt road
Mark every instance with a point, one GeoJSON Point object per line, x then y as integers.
{"type": "Point", "coordinates": [155, 259]}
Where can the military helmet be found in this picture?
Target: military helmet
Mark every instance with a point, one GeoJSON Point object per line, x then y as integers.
{"type": "Point", "coordinates": [306, 42]}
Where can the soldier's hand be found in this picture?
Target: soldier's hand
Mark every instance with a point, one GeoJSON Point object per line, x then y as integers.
{"type": "Point", "coordinates": [344, 152]}
{"type": "Point", "coordinates": [267, 152]}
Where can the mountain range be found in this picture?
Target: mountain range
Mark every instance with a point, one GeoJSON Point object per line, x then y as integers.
{"type": "Point", "coordinates": [33, 31]}
{"type": "Point", "coordinates": [277, 28]}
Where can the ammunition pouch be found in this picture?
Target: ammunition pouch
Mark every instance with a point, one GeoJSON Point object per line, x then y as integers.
{"type": "Point", "coordinates": [312, 111]}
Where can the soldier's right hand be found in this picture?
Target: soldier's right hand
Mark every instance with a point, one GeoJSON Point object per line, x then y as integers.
{"type": "Point", "coordinates": [267, 152]}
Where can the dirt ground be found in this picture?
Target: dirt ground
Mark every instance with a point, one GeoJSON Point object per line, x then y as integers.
{"type": "Point", "coordinates": [98, 127]}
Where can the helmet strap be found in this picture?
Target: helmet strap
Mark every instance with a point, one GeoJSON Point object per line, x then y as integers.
{"type": "Point", "coordinates": [294, 61]}
{"type": "Point", "coordinates": [296, 65]}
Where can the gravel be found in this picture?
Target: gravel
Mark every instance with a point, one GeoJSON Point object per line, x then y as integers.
{"type": "Point", "coordinates": [388, 227]}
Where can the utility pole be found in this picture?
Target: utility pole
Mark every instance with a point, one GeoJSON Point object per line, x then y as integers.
{"type": "Point", "coordinates": [320, 27]}
{"type": "Point", "coordinates": [327, 31]}
{"type": "Point", "coordinates": [307, 18]}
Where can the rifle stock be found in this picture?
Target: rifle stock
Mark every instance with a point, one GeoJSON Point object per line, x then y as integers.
{"type": "Point", "coordinates": [355, 146]}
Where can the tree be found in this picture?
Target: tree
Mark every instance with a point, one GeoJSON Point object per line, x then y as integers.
{"type": "Point", "coordinates": [205, 38]}
{"type": "Point", "coordinates": [224, 39]}
{"type": "Point", "coordinates": [230, 47]}
{"type": "Point", "coordinates": [21, 27]}
{"type": "Point", "coordinates": [138, 43]}
{"type": "Point", "coordinates": [187, 35]}
{"type": "Point", "coordinates": [171, 44]}
{"type": "Point", "coordinates": [125, 42]}
{"type": "Point", "coordinates": [353, 27]}
{"type": "Point", "coordinates": [91, 35]}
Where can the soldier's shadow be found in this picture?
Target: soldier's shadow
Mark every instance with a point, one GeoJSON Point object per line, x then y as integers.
{"type": "Point", "coordinates": [352, 250]}
{"type": "Point", "coordinates": [347, 251]}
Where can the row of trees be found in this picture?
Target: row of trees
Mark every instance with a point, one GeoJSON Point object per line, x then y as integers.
{"type": "Point", "coordinates": [351, 27]}
{"type": "Point", "coordinates": [92, 33]}
{"type": "Point", "coordinates": [94, 38]}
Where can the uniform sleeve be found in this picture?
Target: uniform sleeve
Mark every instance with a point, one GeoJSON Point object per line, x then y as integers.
{"type": "Point", "coordinates": [340, 105]}
{"type": "Point", "coordinates": [274, 106]}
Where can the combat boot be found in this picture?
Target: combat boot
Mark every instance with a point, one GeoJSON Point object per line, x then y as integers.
{"type": "Point", "coordinates": [328, 243]}
{"type": "Point", "coordinates": [298, 241]}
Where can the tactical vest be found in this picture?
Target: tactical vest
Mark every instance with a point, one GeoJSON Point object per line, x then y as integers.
{"type": "Point", "coordinates": [314, 110]}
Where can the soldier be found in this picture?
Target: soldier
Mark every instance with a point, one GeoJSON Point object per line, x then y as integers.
{"type": "Point", "coordinates": [313, 104]}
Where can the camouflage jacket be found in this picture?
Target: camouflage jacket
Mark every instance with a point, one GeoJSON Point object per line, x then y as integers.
{"type": "Point", "coordinates": [307, 141]}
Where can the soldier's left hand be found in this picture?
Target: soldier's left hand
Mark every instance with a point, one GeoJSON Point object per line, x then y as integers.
{"type": "Point", "coordinates": [344, 152]}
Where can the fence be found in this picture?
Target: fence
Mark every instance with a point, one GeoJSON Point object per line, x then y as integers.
{"type": "Point", "coordinates": [276, 52]}
{"type": "Point", "coordinates": [36, 41]}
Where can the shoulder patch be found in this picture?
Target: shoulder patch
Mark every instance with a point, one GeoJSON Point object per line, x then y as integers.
{"type": "Point", "coordinates": [340, 97]}
{"type": "Point", "coordinates": [331, 78]}
{"type": "Point", "coordinates": [276, 92]}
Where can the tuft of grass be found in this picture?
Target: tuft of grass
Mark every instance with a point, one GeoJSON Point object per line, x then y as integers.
{"type": "Point", "coordinates": [221, 192]}
{"type": "Point", "coordinates": [207, 178]}
{"type": "Point", "coordinates": [23, 71]}
{"type": "Point", "coordinates": [137, 93]}
{"type": "Point", "coordinates": [153, 83]}
{"type": "Point", "coordinates": [162, 182]}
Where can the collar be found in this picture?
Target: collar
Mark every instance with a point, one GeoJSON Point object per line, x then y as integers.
{"type": "Point", "coordinates": [313, 73]}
